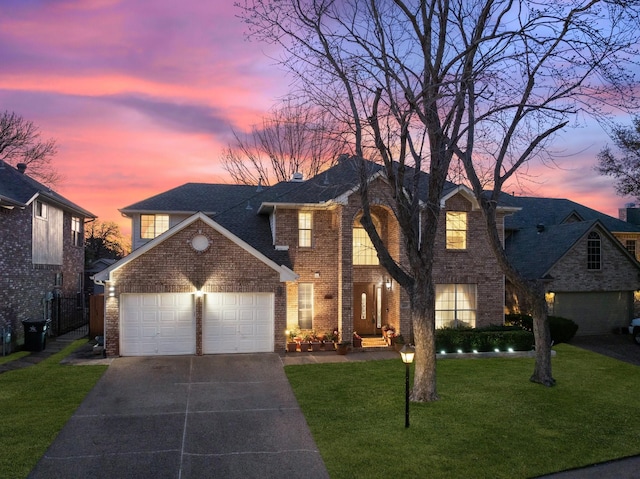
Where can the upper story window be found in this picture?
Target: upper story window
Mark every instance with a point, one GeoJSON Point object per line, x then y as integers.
{"type": "Point", "coordinates": [153, 225]}
{"type": "Point", "coordinates": [41, 209]}
{"type": "Point", "coordinates": [631, 247]}
{"type": "Point", "coordinates": [76, 231]}
{"type": "Point", "coordinates": [594, 252]}
{"type": "Point", "coordinates": [304, 229]}
{"type": "Point", "coordinates": [364, 253]}
{"type": "Point", "coordinates": [456, 230]}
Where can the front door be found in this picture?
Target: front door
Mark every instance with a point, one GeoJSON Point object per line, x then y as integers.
{"type": "Point", "coordinates": [364, 310]}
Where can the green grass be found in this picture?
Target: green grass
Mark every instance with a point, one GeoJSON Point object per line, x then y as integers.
{"type": "Point", "coordinates": [35, 403]}
{"type": "Point", "coordinates": [490, 421]}
{"type": "Point", "coordinates": [13, 356]}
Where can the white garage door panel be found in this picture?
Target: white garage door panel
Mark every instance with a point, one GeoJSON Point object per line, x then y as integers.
{"type": "Point", "coordinates": [238, 323]}
{"type": "Point", "coordinates": [157, 324]}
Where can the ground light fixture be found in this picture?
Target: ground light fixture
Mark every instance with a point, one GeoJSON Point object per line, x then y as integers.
{"type": "Point", "coordinates": [407, 353]}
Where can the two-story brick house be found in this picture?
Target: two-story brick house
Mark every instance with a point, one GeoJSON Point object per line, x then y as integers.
{"type": "Point", "coordinates": [42, 254]}
{"type": "Point", "coordinates": [230, 268]}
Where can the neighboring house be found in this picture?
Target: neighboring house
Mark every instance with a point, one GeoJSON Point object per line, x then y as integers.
{"type": "Point", "coordinates": [42, 254]}
{"type": "Point", "coordinates": [588, 258]}
{"type": "Point", "coordinates": [230, 268]}
{"type": "Point", "coordinates": [95, 267]}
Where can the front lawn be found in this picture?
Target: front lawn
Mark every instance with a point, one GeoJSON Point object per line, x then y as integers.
{"type": "Point", "coordinates": [35, 403]}
{"type": "Point", "coordinates": [490, 421]}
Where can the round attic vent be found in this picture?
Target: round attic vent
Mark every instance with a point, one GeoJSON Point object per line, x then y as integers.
{"type": "Point", "coordinates": [200, 243]}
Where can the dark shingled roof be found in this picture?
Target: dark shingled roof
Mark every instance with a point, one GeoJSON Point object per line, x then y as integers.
{"type": "Point", "coordinates": [555, 211]}
{"type": "Point", "coordinates": [533, 252]}
{"type": "Point", "coordinates": [18, 189]}
{"type": "Point", "coordinates": [545, 229]}
{"type": "Point", "coordinates": [235, 207]}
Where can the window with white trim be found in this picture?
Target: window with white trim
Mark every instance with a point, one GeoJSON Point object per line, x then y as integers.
{"type": "Point", "coordinates": [364, 253]}
{"type": "Point", "coordinates": [76, 231]}
{"type": "Point", "coordinates": [594, 253]}
{"type": "Point", "coordinates": [305, 305]}
{"type": "Point", "coordinates": [456, 305]}
{"type": "Point", "coordinates": [153, 225]}
{"type": "Point", "coordinates": [456, 230]}
{"type": "Point", "coordinates": [40, 209]}
{"type": "Point", "coordinates": [304, 229]}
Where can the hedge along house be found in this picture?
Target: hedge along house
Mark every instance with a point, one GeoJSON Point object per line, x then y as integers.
{"type": "Point", "coordinates": [229, 268]}
{"type": "Point", "coordinates": [588, 259]}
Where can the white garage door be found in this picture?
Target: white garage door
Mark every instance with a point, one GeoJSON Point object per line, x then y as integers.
{"type": "Point", "coordinates": [238, 323]}
{"type": "Point", "coordinates": [157, 324]}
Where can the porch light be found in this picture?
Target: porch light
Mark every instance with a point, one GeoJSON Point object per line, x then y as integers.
{"type": "Point", "coordinates": [387, 283]}
{"type": "Point", "coordinates": [407, 353]}
{"type": "Point", "coordinates": [199, 293]}
{"type": "Point", "coordinates": [112, 291]}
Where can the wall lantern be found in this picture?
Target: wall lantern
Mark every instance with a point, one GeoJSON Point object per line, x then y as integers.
{"type": "Point", "coordinates": [199, 293]}
{"type": "Point", "coordinates": [112, 291]}
{"type": "Point", "coordinates": [387, 283]}
{"type": "Point", "coordinates": [407, 353]}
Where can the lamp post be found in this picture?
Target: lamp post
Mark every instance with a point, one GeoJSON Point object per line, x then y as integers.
{"type": "Point", "coordinates": [407, 353]}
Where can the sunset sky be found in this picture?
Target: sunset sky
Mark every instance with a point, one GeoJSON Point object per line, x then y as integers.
{"type": "Point", "coordinates": [141, 96]}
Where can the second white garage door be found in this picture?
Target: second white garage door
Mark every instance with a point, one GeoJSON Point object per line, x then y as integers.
{"type": "Point", "coordinates": [238, 323]}
{"type": "Point", "coordinates": [157, 324]}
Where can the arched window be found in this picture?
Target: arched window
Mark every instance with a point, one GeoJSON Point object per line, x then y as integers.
{"type": "Point", "coordinates": [364, 252]}
{"type": "Point", "coordinates": [594, 253]}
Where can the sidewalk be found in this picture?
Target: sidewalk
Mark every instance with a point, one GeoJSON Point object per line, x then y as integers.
{"type": "Point", "coordinates": [83, 355]}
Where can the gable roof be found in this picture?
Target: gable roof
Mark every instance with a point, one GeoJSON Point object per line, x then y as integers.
{"type": "Point", "coordinates": [243, 210]}
{"type": "Point", "coordinates": [18, 190]}
{"type": "Point", "coordinates": [533, 252]}
{"type": "Point", "coordinates": [286, 274]}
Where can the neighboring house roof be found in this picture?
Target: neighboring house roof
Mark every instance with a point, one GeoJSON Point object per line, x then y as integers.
{"type": "Point", "coordinates": [286, 274]}
{"type": "Point", "coordinates": [545, 229]}
{"type": "Point", "coordinates": [533, 251]}
{"type": "Point", "coordinates": [555, 211]}
{"type": "Point", "coordinates": [19, 190]}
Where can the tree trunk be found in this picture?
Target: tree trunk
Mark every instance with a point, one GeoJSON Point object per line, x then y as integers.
{"type": "Point", "coordinates": [533, 294]}
{"type": "Point", "coordinates": [542, 370]}
{"type": "Point", "coordinates": [422, 300]}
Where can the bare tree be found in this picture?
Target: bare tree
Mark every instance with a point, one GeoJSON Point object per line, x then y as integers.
{"type": "Point", "coordinates": [424, 81]}
{"type": "Point", "coordinates": [625, 168]}
{"type": "Point", "coordinates": [20, 142]}
{"type": "Point", "coordinates": [104, 240]}
{"type": "Point", "coordinates": [295, 138]}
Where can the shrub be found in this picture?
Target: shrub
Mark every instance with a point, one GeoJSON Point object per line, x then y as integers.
{"type": "Point", "coordinates": [484, 339]}
{"type": "Point", "coordinates": [561, 329]}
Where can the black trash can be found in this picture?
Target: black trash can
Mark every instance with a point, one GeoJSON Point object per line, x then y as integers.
{"type": "Point", "coordinates": [35, 334]}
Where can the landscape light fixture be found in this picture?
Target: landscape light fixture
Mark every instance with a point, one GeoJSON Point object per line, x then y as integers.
{"type": "Point", "coordinates": [407, 353]}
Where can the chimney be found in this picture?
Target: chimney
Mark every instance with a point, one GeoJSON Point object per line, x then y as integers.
{"type": "Point", "coordinates": [630, 213]}
{"type": "Point", "coordinates": [22, 167]}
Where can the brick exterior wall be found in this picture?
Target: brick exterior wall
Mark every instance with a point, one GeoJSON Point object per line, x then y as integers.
{"type": "Point", "coordinates": [618, 273]}
{"type": "Point", "coordinates": [331, 257]}
{"type": "Point", "coordinates": [474, 265]}
{"type": "Point", "coordinates": [173, 266]}
{"type": "Point", "coordinates": [27, 285]}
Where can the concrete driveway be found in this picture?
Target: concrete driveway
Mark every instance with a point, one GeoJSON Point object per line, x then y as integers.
{"type": "Point", "coordinates": [617, 346]}
{"type": "Point", "coordinates": [185, 417]}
